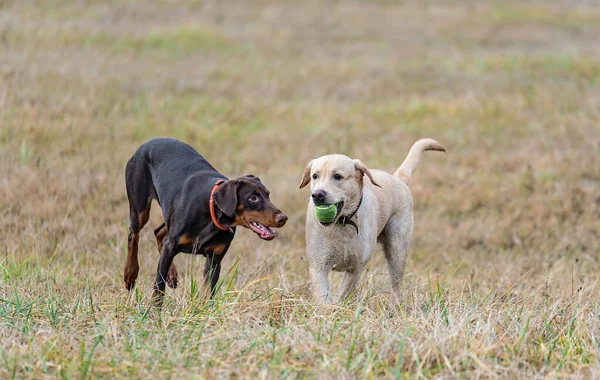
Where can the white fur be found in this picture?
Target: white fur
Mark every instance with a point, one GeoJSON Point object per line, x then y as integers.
{"type": "Point", "coordinates": [384, 216]}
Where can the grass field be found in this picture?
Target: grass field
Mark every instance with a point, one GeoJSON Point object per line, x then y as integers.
{"type": "Point", "coordinates": [502, 277]}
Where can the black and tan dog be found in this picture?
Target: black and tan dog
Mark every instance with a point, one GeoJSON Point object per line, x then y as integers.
{"type": "Point", "coordinates": [200, 206]}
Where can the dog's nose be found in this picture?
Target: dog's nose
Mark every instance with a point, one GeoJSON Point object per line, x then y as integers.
{"type": "Point", "coordinates": [319, 196]}
{"type": "Point", "coordinates": [280, 219]}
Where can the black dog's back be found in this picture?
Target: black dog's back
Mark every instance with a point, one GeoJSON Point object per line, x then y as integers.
{"type": "Point", "coordinates": [155, 172]}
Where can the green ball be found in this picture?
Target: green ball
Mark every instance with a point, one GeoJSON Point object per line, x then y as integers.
{"type": "Point", "coordinates": [326, 213]}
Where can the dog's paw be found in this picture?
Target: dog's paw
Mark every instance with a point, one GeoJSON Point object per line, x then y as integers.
{"type": "Point", "coordinates": [172, 277]}
{"type": "Point", "coordinates": [129, 284]}
{"type": "Point", "coordinates": [158, 298]}
{"type": "Point", "coordinates": [130, 275]}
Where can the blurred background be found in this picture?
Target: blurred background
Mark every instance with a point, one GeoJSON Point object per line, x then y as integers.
{"type": "Point", "coordinates": [510, 88]}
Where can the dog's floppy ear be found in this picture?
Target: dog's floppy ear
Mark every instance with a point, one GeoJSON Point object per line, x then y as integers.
{"type": "Point", "coordinates": [306, 175]}
{"type": "Point", "coordinates": [359, 166]}
{"type": "Point", "coordinates": [226, 197]}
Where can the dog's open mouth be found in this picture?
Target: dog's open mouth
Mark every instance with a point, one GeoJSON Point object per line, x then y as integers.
{"type": "Point", "coordinates": [338, 206]}
{"type": "Point", "coordinates": [262, 231]}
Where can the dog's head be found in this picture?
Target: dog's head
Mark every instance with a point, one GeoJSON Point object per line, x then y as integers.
{"type": "Point", "coordinates": [336, 179]}
{"type": "Point", "coordinates": [246, 201]}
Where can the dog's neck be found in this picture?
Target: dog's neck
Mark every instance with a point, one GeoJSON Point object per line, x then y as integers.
{"type": "Point", "coordinates": [346, 219]}
{"type": "Point", "coordinates": [211, 206]}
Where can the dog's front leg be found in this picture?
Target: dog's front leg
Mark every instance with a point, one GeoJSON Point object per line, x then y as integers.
{"type": "Point", "coordinates": [319, 278]}
{"type": "Point", "coordinates": [348, 285]}
{"type": "Point", "coordinates": [166, 259]}
{"type": "Point", "coordinates": [212, 271]}
{"type": "Point", "coordinates": [160, 234]}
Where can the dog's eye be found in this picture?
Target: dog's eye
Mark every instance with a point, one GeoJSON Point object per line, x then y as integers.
{"type": "Point", "coordinates": [315, 176]}
{"type": "Point", "coordinates": [253, 198]}
{"type": "Point", "coordinates": [337, 177]}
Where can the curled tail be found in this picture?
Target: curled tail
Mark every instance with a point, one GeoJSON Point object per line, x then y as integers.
{"type": "Point", "coordinates": [411, 162]}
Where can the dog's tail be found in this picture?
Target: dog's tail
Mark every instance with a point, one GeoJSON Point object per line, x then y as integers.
{"type": "Point", "coordinates": [408, 167]}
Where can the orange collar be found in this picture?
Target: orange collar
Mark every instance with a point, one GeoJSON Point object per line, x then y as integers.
{"type": "Point", "coordinates": [211, 202]}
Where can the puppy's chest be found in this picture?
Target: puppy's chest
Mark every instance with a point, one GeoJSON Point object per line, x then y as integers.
{"type": "Point", "coordinates": [344, 258]}
{"type": "Point", "coordinates": [217, 245]}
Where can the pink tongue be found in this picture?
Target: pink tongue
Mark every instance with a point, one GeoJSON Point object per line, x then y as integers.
{"type": "Point", "coordinates": [264, 231]}
{"type": "Point", "coordinates": [267, 233]}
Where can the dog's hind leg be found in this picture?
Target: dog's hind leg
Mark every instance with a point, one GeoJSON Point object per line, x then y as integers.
{"type": "Point", "coordinates": [396, 242]}
{"type": "Point", "coordinates": [140, 194]}
{"type": "Point", "coordinates": [137, 221]}
{"type": "Point", "coordinates": [160, 234]}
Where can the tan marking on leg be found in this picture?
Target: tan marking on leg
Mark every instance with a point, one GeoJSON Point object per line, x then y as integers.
{"type": "Point", "coordinates": [132, 266]}
{"type": "Point", "coordinates": [219, 249]}
{"type": "Point", "coordinates": [145, 215]}
{"type": "Point", "coordinates": [160, 236]}
{"type": "Point", "coordinates": [172, 276]}
{"type": "Point", "coordinates": [185, 240]}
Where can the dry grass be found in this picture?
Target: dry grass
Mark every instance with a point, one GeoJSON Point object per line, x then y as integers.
{"type": "Point", "coordinates": [502, 279]}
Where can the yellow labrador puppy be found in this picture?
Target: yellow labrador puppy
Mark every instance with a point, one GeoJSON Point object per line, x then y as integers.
{"type": "Point", "coordinates": [367, 213]}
